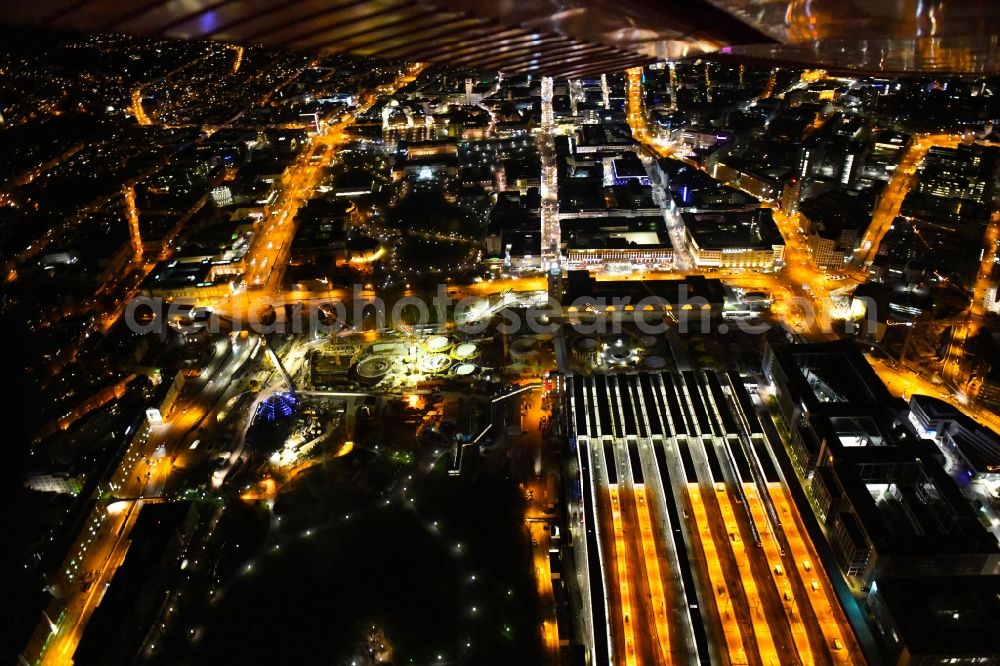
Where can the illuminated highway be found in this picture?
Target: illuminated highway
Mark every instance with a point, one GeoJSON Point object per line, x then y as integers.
{"type": "Point", "coordinates": [810, 310]}
{"type": "Point", "coordinates": [268, 254]}
{"type": "Point", "coordinates": [132, 216]}
{"type": "Point", "coordinates": [543, 577]}
{"type": "Point", "coordinates": [70, 625]}
{"type": "Point", "coordinates": [904, 382]}
{"type": "Point", "coordinates": [637, 117]}
{"type": "Point", "coordinates": [137, 108]}
{"type": "Point", "coordinates": [94, 402]}
{"type": "Point", "coordinates": [969, 322]}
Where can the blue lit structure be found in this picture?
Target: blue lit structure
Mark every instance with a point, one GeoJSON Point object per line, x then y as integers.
{"type": "Point", "coordinates": [279, 405]}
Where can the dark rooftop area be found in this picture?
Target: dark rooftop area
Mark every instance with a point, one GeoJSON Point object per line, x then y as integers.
{"type": "Point", "coordinates": [946, 616]}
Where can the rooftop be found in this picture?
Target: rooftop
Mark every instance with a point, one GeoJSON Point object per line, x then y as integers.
{"type": "Point", "coordinates": [733, 229]}
{"type": "Point", "coordinates": [947, 616]}
{"type": "Point", "coordinates": [693, 290]}
{"type": "Point", "coordinates": [615, 232]}
{"type": "Point", "coordinates": [594, 136]}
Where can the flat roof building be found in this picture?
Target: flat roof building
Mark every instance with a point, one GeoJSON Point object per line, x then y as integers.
{"type": "Point", "coordinates": [692, 189]}
{"type": "Point", "coordinates": [734, 239]}
{"type": "Point", "coordinates": [879, 489]}
{"type": "Point", "coordinates": [626, 167]}
{"type": "Point", "coordinates": [427, 160]}
{"type": "Point", "coordinates": [616, 243]}
{"type": "Point", "coordinates": [835, 222]}
{"type": "Point", "coordinates": [938, 619]}
{"type": "Point", "coordinates": [606, 137]}
{"type": "Point", "coordinates": [514, 232]}
{"type": "Point", "coordinates": [976, 448]}
{"type": "Point", "coordinates": [695, 300]}
{"type": "Point", "coordinates": [586, 195]}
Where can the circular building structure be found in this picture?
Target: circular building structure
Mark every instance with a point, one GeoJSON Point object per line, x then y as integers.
{"type": "Point", "coordinates": [655, 362]}
{"type": "Point", "coordinates": [618, 351]}
{"type": "Point", "coordinates": [617, 356]}
{"type": "Point", "coordinates": [524, 349]}
{"type": "Point", "coordinates": [464, 351]}
{"type": "Point", "coordinates": [437, 344]}
{"type": "Point", "coordinates": [464, 370]}
{"type": "Point", "coordinates": [374, 368]}
{"type": "Point", "coordinates": [587, 349]}
{"type": "Point", "coordinates": [616, 341]}
{"type": "Point", "coordinates": [363, 250]}
{"type": "Point", "coordinates": [435, 364]}
{"type": "Point", "coordinates": [644, 341]}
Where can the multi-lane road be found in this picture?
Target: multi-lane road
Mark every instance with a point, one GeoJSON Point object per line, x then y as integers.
{"type": "Point", "coordinates": [899, 185]}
